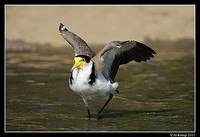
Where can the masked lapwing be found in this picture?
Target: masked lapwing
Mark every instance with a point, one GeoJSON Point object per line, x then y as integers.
{"type": "Point", "coordinates": [93, 75]}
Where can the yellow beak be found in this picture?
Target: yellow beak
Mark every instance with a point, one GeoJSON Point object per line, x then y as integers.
{"type": "Point", "coordinates": [59, 33]}
{"type": "Point", "coordinates": [78, 62]}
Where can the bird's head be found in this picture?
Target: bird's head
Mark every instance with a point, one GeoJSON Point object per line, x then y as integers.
{"type": "Point", "coordinates": [80, 60]}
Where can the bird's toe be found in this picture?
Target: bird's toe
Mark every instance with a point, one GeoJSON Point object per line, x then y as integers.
{"type": "Point", "coordinates": [99, 116]}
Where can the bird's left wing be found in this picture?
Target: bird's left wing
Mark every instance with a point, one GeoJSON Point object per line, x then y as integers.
{"type": "Point", "coordinates": [116, 53]}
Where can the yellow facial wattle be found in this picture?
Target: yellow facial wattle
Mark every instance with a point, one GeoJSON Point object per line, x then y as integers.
{"type": "Point", "coordinates": [78, 62]}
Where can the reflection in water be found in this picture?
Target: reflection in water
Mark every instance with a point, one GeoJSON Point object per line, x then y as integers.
{"type": "Point", "coordinates": [154, 96]}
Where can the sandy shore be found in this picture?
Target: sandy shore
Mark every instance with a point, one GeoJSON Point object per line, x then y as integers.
{"type": "Point", "coordinates": [98, 24]}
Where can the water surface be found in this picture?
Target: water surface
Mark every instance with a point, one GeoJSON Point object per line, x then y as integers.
{"type": "Point", "coordinates": [154, 96]}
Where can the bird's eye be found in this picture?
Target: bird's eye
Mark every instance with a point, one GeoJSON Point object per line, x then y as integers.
{"type": "Point", "coordinates": [83, 60]}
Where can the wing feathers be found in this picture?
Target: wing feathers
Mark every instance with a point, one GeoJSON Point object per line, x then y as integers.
{"type": "Point", "coordinates": [79, 46]}
{"type": "Point", "coordinates": [129, 50]}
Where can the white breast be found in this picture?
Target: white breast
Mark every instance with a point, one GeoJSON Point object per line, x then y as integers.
{"type": "Point", "coordinates": [99, 89]}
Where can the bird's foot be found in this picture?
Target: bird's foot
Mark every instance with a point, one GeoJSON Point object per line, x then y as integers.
{"type": "Point", "coordinates": [99, 116]}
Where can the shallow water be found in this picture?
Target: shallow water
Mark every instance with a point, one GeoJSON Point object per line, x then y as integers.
{"type": "Point", "coordinates": [154, 96]}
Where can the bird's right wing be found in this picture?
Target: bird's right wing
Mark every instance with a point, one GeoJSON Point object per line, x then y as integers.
{"type": "Point", "coordinates": [79, 46]}
{"type": "Point", "coordinates": [116, 53]}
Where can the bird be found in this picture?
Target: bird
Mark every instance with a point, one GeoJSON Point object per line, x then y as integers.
{"type": "Point", "coordinates": [93, 75]}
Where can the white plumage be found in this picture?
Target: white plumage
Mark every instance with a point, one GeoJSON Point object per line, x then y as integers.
{"type": "Point", "coordinates": [99, 89]}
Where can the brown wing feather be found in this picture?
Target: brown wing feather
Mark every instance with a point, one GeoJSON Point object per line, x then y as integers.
{"type": "Point", "coordinates": [79, 46]}
{"type": "Point", "coordinates": [111, 57]}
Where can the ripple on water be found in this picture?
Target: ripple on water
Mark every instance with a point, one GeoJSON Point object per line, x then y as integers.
{"type": "Point", "coordinates": [161, 78]}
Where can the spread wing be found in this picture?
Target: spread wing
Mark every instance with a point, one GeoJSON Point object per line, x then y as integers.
{"type": "Point", "coordinates": [121, 52]}
{"type": "Point", "coordinates": [79, 46]}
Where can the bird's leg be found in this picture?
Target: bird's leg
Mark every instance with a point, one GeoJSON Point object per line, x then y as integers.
{"type": "Point", "coordinates": [89, 116]}
{"type": "Point", "coordinates": [109, 99]}
{"type": "Point", "coordinates": [88, 110]}
{"type": "Point", "coordinates": [117, 91]}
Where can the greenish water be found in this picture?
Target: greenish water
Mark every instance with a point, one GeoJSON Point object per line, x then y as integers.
{"type": "Point", "coordinates": [154, 96]}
